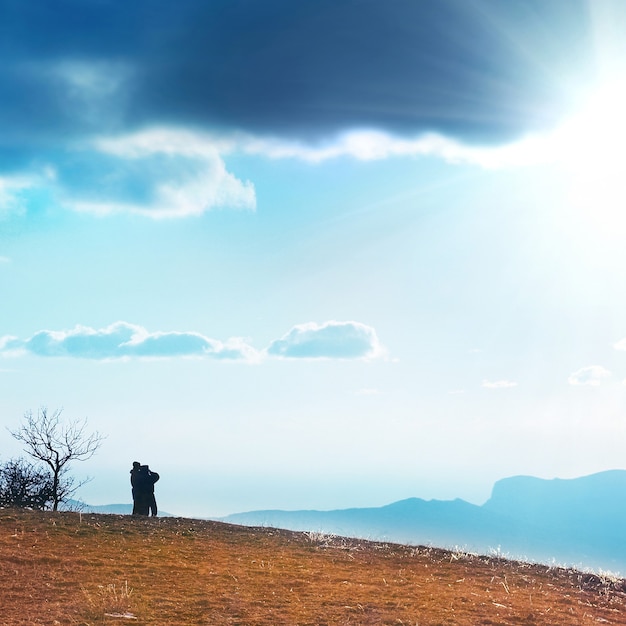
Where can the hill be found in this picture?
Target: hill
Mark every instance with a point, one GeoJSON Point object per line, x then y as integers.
{"type": "Point", "coordinates": [87, 569]}
{"type": "Point", "coordinates": [578, 521]}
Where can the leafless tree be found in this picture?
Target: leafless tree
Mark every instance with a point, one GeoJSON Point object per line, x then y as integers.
{"type": "Point", "coordinates": [56, 443]}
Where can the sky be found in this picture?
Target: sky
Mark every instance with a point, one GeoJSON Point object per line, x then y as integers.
{"type": "Point", "coordinates": [316, 255]}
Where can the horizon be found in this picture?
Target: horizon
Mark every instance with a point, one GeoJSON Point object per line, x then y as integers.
{"type": "Point", "coordinates": [316, 254]}
{"type": "Point", "coordinates": [413, 497]}
{"type": "Point", "coordinates": [364, 506]}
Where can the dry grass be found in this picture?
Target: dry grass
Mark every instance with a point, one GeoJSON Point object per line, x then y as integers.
{"type": "Point", "coordinates": [67, 568]}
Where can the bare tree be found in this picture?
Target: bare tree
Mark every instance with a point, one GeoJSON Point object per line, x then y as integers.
{"type": "Point", "coordinates": [56, 443]}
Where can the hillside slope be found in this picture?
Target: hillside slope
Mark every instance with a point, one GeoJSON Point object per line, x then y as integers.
{"type": "Point", "coordinates": [68, 568]}
{"type": "Point", "coordinates": [577, 521]}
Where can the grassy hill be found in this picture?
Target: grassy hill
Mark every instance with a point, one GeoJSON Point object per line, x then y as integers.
{"type": "Point", "coordinates": [71, 568]}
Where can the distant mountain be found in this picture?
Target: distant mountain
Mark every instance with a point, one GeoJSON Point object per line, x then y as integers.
{"type": "Point", "coordinates": [113, 509]}
{"type": "Point", "coordinates": [585, 518]}
{"type": "Point", "coordinates": [580, 521]}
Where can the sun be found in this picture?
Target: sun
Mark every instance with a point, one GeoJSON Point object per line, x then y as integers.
{"type": "Point", "coordinates": [590, 149]}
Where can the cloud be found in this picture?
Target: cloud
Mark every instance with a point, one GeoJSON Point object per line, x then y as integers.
{"type": "Point", "coordinates": [167, 172]}
{"type": "Point", "coordinates": [170, 172]}
{"type": "Point", "coordinates": [13, 191]}
{"type": "Point", "coordinates": [95, 91]}
{"type": "Point", "coordinates": [620, 345]}
{"type": "Point", "coordinates": [498, 384]}
{"type": "Point", "coordinates": [158, 173]}
{"type": "Point", "coordinates": [143, 101]}
{"type": "Point", "coordinates": [288, 68]}
{"type": "Point", "coordinates": [374, 145]}
{"type": "Point", "coordinates": [175, 172]}
{"type": "Point", "coordinates": [123, 340]}
{"type": "Point", "coordinates": [331, 340]}
{"type": "Point", "coordinates": [164, 140]}
{"type": "Point", "coordinates": [90, 80]}
{"type": "Point", "coordinates": [591, 376]}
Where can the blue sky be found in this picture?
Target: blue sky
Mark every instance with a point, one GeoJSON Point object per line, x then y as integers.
{"type": "Point", "coordinates": [318, 254]}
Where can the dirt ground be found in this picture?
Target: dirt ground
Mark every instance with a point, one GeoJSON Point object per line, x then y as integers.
{"type": "Point", "coordinates": [68, 568]}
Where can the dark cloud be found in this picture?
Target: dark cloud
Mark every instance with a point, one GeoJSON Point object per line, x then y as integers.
{"type": "Point", "coordinates": [475, 69]}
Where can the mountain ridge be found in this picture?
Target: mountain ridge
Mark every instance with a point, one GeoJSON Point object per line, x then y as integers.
{"type": "Point", "coordinates": [576, 521]}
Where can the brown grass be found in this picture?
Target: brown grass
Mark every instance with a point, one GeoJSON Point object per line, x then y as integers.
{"type": "Point", "coordinates": [67, 568]}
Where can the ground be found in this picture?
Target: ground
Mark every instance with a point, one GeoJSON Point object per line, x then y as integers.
{"type": "Point", "coordinates": [85, 569]}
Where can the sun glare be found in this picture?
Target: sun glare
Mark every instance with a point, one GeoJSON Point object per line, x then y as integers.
{"type": "Point", "coordinates": [590, 149]}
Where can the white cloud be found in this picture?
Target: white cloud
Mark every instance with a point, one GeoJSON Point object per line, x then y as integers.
{"type": "Point", "coordinates": [5, 259]}
{"type": "Point", "coordinates": [331, 340]}
{"type": "Point", "coordinates": [121, 340]}
{"type": "Point", "coordinates": [207, 183]}
{"type": "Point", "coordinates": [568, 143]}
{"type": "Point", "coordinates": [210, 187]}
{"type": "Point", "coordinates": [124, 340]}
{"type": "Point", "coordinates": [174, 172]}
{"type": "Point", "coordinates": [182, 172]}
{"type": "Point", "coordinates": [591, 376]}
{"type": "Point", "coordinates": [186, 174]}
{"type": "Point", "coordinates": [165, 140]}
{"type": "Point", "coordinates": [620, 345]}
{"type": "Point", "coordinates": [498, 384]}
{"type": "Point", "coordinates": [373, 145]}
{"type": "Point", "coordinates": [12, 190]}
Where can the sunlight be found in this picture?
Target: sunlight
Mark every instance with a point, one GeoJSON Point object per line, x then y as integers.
{"type": "Point", "coordinates": [590, 149]}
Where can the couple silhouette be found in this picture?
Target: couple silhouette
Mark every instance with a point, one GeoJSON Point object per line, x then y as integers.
{"type": "Point", "coordinates": [142, 480]}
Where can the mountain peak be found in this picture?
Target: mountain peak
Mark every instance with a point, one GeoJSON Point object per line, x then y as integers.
{"type": "Point", "coordinates": [533, 499]}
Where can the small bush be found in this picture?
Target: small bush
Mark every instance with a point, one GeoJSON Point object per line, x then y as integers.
{"type": "Point", "coordinates": [25, 485]}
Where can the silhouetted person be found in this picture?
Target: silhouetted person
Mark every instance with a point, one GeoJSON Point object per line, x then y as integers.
{"type": "Point", "coordinates": [142, 481]}
{"type": "Point", "coordinates": [153, 477]}
{"type": "Point", "coordinates": [135, 479]}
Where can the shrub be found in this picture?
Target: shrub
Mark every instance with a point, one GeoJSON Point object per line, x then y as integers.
{"type": "Point", "coordinates": [25, 485]}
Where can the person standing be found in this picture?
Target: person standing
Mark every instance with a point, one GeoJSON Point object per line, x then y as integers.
{"type": "Point", "coordinates": [135, 480]}
{"type": "Point", "coordinates": [142, 481]}
{"type": "Point", "coordinates": [153, 477]}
